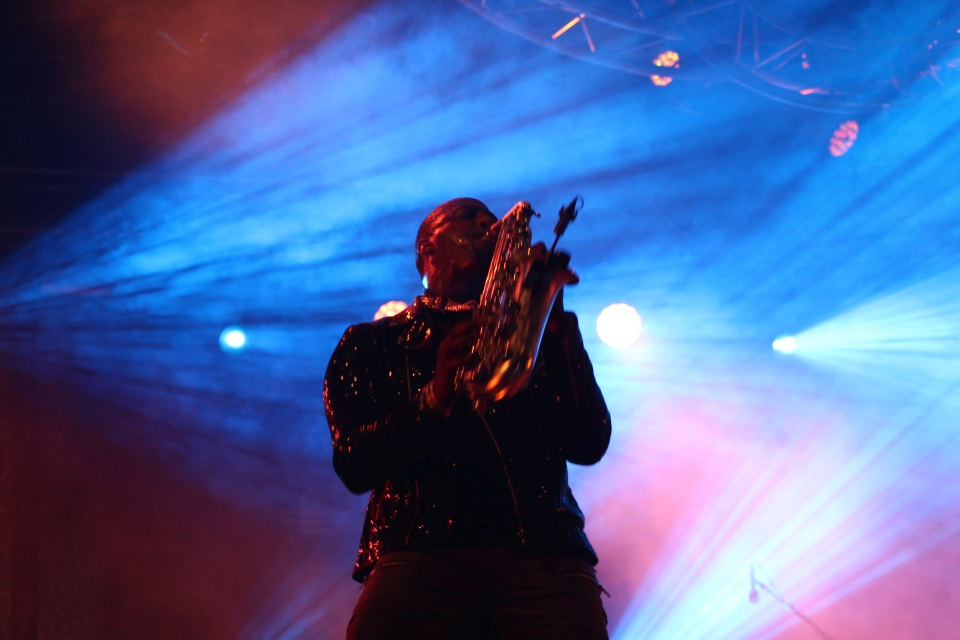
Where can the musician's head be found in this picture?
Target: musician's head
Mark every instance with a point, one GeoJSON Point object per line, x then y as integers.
{"type": "Point", "coordinates": [454, 248]}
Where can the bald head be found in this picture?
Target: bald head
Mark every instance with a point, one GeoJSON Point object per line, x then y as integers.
{"type": "Point", "coordinates": [449, 210]}
{"type": "Point", "coordinates": [454, 248]}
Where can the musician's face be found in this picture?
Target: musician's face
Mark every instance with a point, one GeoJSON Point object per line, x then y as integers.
{"type": "Point", "coordinates": [459, 255]}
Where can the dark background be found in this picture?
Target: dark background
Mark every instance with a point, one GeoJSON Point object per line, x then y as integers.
{"type": "Point", "coordinates": [93, 88]}
{"type": "Point", "coordinates": [97, 538]}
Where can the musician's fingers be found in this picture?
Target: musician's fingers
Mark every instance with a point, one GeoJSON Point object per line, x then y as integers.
{"type": "Point", "coordinates": [459, 360]}
{"type": "Point", "coordinates": [467, 327]}
{"type": "Point", "coordinates": [455, 354]}
{"type": "Point", "coordinates": [464, 335]}
{"type": "Point", "coordinates": [460, 342]}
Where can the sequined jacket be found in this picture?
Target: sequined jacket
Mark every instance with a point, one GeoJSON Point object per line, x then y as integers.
{"type": "Point", "coordinates": [387, 442]}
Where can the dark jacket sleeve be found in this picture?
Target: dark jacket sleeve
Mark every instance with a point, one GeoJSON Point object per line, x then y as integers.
{"type": "Point", "coordinates": [584, 420]}
{"type": "Point", "coordinates": [376, 429]}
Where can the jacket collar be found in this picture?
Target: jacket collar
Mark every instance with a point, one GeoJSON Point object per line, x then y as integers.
{"type": "Point", "coordinates": [421, 320]}
{"type": "Point", "coordinates": [442, 303]}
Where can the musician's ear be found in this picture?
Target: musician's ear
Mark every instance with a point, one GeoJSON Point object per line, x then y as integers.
{"type": "Point", "coordinates": [424, 248]}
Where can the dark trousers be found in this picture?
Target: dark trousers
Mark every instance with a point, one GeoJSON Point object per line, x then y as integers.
{"type": "Point", "coordinates": [479, 594]}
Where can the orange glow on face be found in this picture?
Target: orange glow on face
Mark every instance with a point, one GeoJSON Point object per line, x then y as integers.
{"type": "Point", "coordinates": [843, 138]}
{"type": "Point", "coordinates": [388, 309]}
{"type": "Point", "coordinates": [667, 59]}
{"type": "Point", "coordinates": [661, 81]}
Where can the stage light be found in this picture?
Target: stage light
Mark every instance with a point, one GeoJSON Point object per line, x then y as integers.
{"type": "Point", "coordinates": [619, 325]}
{"type": "Point", "coordinates": [667, 59]}
{"type": "Point", "coordinates": [568, 26]}
{"type": "Point", "coordinates": [843, 138]}
{"type": "Point", "coordinates": [388, 309]}
{"type": "Point", "coordinates": [233, 339]}
{"type": "Point", "coordinates": [906, 337]}
{"type": "Point", "coordinates": [786, 344]}
{"type": "Point", "coordinates": [661, 81]}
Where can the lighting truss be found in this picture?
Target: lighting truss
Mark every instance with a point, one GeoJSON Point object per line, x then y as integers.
{"type": "Point", "coordinates": [849, 63]}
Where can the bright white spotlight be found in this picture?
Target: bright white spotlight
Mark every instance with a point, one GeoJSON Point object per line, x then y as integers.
{"type": "Point", "coordinates": [786, 344]}
{"type": "Point", "coordinates": [233, 339]}
{"type": "Point", "coordinates": [619, 325]}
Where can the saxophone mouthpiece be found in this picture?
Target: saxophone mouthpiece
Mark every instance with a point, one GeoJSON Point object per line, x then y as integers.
{"type": "Point", "coordinates": [493, 231]}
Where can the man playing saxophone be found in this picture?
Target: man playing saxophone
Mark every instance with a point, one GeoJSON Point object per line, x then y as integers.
{"type": "Point", "coordinates": [471, 529]}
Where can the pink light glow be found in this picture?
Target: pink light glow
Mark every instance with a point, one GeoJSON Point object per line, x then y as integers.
{"type": "Point", "coordinates": [843, 138]}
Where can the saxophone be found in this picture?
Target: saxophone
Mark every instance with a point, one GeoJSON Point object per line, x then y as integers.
{"type": "Point", "coordinates": [517, 297]}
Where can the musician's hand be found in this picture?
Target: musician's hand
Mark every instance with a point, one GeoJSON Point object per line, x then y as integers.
{"type": "Point", "coordinates": [453, 353]}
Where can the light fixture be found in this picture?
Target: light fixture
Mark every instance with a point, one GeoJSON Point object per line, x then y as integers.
{"type": "Point", "coordinates": [619, 325]}
{"type": "Point", "coordinates": [785, 344]}
{"type": "Point", "coordinates": [388, 309]}
{"type": "Point", "coordinates": [843, 138]}
{"type": "Point", "coordinates": [233, 339]}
